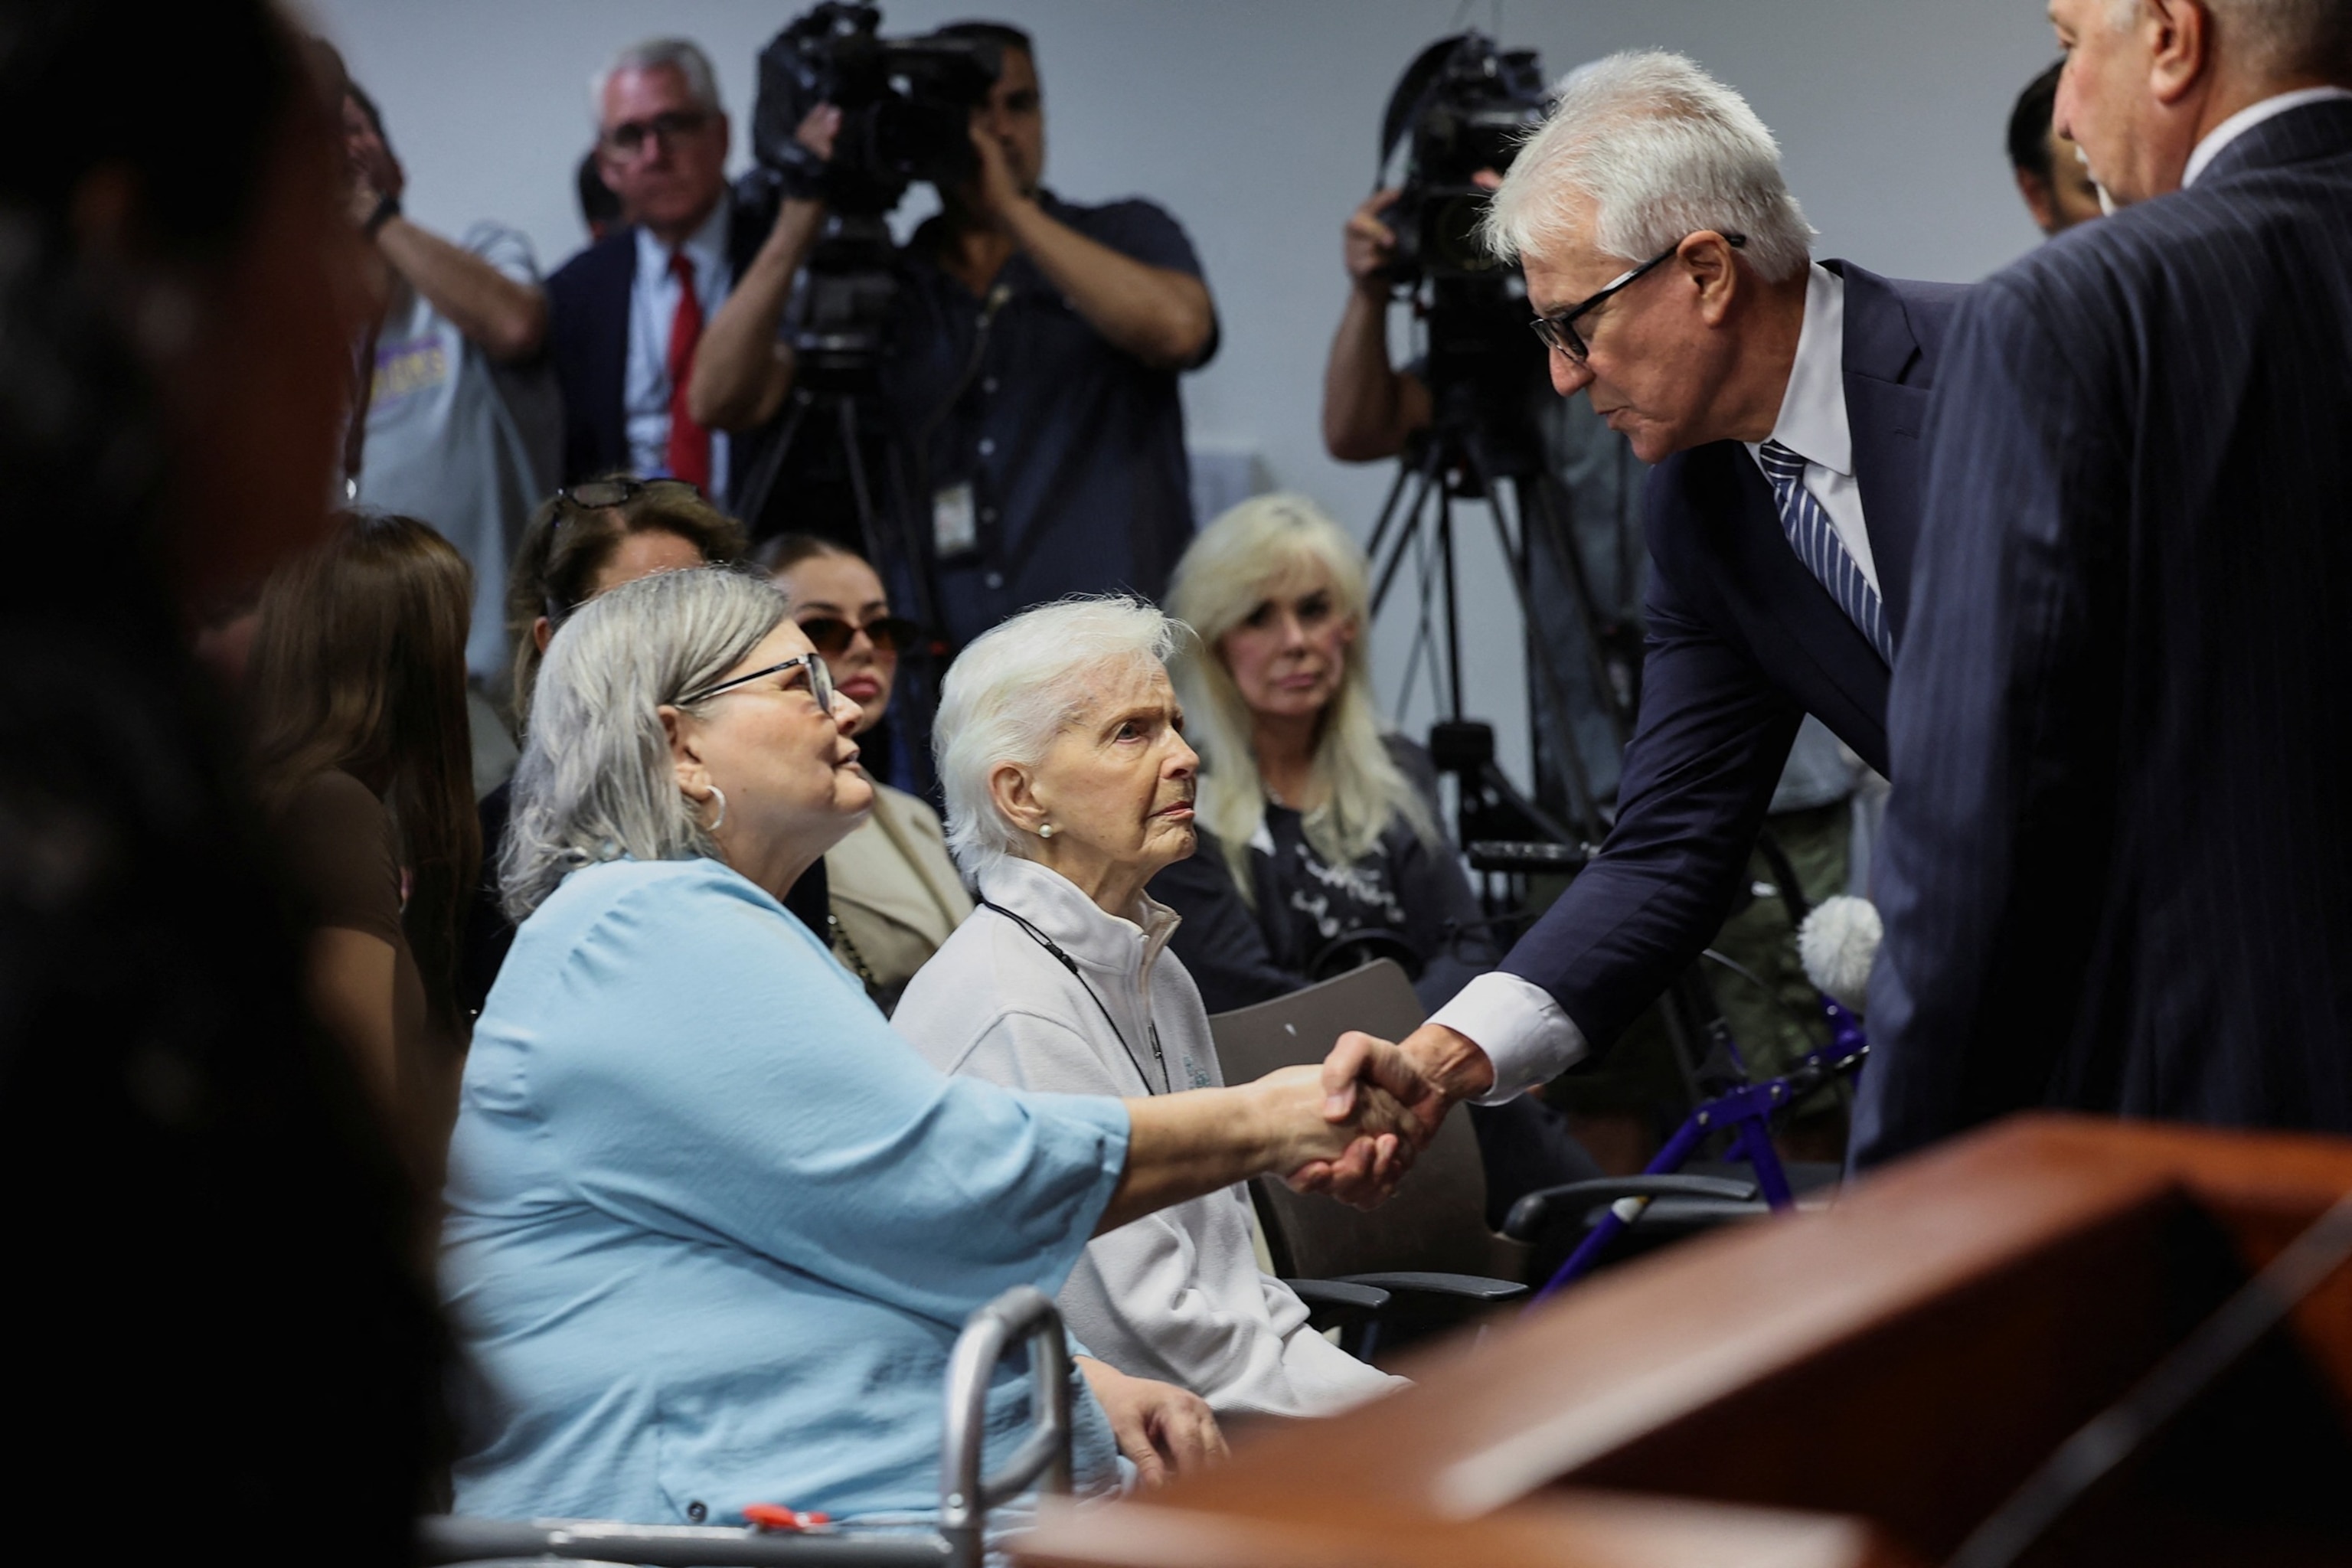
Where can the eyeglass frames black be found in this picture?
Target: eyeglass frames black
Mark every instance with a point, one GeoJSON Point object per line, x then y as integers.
{"type": "Point", "coordinates": [889, 634]}
{"type": "Point", "coordinates": [1558, 331]}
{"type": "Point", "coordinates": [628, 139]}
{"type": "Point", "coordinates": [820, 682]}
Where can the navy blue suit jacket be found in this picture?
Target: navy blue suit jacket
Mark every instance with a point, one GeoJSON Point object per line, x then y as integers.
{"type": "Point", "coordinates": [588, 329]}
{"type": "Point", "coordinates": [1743, 642]}
{"type": "Point", "coordinates": [2117, 868]}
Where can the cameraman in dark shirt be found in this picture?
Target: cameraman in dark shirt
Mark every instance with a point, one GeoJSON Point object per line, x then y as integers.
{"type": "Point", "coordinates": [1032, 370]}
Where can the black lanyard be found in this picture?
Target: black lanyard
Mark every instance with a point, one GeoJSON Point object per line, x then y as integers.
{"type": "Point", "coordinates": [1071, 964]}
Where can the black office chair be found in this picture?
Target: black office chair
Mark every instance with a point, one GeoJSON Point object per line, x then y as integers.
{"type": "Point", "coordinates": [1020, 1315]}
{"type": "Point", "coordinates": [1424, 1260]}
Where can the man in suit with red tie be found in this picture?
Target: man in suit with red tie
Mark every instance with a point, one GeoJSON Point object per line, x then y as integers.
{"type": "Point", "coordinates": [1783, 401]}
{"type": "Point", "coordinates": [2116, 875]}
{"type": "Point", "coordinates": [628, 311]}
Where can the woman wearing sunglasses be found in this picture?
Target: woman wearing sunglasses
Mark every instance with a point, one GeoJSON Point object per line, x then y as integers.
{"type": "Point", "coordinates": [895, 893]}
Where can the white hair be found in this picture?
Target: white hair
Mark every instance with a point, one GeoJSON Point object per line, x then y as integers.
{"type": "Point", "coordinates": [2271, 38]}
{"type": "Point", "coordinates": [1260, 548]}
{"type": "Point", "coordinates": [1660, 149]}
{"type": "Point", "coordinates": [1015, 689]}
{"type": "Point", "coordinates": [680, 55]}
{"type": "Point", "coordinates": [595, 781]}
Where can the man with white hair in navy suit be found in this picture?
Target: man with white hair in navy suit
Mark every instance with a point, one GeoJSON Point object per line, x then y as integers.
{"type": "Point", "coordinates": [1781, 399]}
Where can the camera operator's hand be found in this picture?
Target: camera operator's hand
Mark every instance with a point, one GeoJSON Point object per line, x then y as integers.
{"type": "Point", "coordinates": [1369, 244]}
{"type": "Point", "coordinates": [996, 188]}
{"type": "Point", "coordinates": [1161, 317]}
{"type": "Point", "coordinates": [1369, 407]}
{"type": "Point", "coordinates": [742, 374]}
{"type": "Point", "coordinates": [818, 129]}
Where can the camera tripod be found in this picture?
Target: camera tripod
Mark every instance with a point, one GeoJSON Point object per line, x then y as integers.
{"type": "Point", "coordinates": [850, 482]}
{"type": "Point", "coordinates": [1464, 455]}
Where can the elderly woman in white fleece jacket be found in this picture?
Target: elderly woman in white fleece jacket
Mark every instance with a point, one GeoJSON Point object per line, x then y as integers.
{"type": "Point", "coordinates": [1068, 785]}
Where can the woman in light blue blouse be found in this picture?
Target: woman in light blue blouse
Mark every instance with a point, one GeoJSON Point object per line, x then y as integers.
{"type": "Point", "coordinates": [712, 1227]}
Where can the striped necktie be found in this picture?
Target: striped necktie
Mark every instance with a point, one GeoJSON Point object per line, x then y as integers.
{"type": "Point", "coordinates": [1817, 544]}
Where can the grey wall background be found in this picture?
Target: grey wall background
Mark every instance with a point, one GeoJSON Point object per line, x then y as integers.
{"type": "Point", "coordinates": [1255, 122]}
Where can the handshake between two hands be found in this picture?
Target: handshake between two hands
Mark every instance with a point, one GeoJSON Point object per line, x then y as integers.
{"type": "Point", "coordinates": [1379, 1104]}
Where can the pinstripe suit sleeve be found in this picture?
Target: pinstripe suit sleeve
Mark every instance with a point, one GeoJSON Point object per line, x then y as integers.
{"type": "Point", "coordinates": [2003, 717]}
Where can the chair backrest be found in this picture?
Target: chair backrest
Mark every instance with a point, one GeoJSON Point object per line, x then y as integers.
{"type": "Point", "coordinates": [1438, 1220]}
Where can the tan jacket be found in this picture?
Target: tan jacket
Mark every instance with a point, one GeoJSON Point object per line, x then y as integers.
{"type": "Point", "coordinates": [895, 896]}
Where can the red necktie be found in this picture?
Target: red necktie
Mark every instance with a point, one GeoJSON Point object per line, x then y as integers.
{"type": "Point", "coordinates": [689, 444]}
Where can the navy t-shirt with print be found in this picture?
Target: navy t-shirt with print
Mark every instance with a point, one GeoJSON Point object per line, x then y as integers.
{"type": "Point", "coordinates": [1073, 449]}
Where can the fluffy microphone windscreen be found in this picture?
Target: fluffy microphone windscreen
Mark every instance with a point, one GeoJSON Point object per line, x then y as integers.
{"type": "Point", "coordinates": [1838, 942]}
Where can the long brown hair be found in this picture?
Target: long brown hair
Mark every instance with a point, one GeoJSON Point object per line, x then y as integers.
{"type": "Point", "coordinates": [568, 545]}
{"type": "Point", "coordinates": [359, 663]}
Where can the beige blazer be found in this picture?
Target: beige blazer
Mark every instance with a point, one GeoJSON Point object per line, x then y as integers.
{"type": "Point", "coordinates": [895, 895]}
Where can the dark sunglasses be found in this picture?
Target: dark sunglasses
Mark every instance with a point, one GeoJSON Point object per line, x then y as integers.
{"type": "Point", "coordinates": [1558, 331]}
{"type": "Point", "coordinates": [820, 682]}
{"type": "Point", "coordinates": [628, 138]}
{"type": "Point", "coordinates": [888, 634]}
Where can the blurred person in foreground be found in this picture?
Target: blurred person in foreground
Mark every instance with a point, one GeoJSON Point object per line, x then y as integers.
{"type": "Point", "coordinates": [357, 700]}
{"type": "Point", "coordinates": [1069, 785]}
{"type": "Point", "coordinates": [225, 1304]}
{"type": "Point", "coordinates": [894, 894]}
{"type": "Point", "coordinates": [584, 541]}
{"type": "Point", "coordinates": [1036, 350]}
{"type": "Point", "coordinates": [1781, 400]}
{"type": "Point", "coordinates": [463, 418]}
{"type": "Point", "coordinates": [2058, 189]}
{"type": "Point", "coordinates": [2117, 872]}
{"type": "Point", "coordinates": [798, 1282]}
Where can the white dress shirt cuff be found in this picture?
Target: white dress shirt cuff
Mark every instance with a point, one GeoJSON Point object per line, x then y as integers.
{"type": "Point", "coordinates": [1526, 1034]}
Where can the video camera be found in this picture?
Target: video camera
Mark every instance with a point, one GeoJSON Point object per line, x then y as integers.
{"type": "Point", "coordinates": [1464, 104]}
{"type": "Point", "coordinates": [905, 115]}
{"type": "Point", "coordinates": [905, 105]}
{"type": "Point", "coordinates": [1460, 110]}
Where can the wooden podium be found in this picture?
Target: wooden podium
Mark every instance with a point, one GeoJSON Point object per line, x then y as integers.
{"type": "Point", "coordinates": [1862, 1386]}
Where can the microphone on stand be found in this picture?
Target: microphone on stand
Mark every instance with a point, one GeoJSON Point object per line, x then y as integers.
{"type": "Point", "coordinates": [1838, 943]}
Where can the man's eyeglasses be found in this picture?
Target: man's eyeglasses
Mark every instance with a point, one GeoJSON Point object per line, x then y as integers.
{"type": "Point", "coordinates": [889, 634]}
{"type": "Point", "coordinates": [820, 682]}
{"type": "Point", "coordinates": [628, 139]}
{"type": "Point", "coordinates": [1558, 331]}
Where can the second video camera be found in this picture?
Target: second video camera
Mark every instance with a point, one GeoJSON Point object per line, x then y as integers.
{"type": "Point", "coordinates": [1464, 105]}
{"type": "Point", "coordinates": [906, 104]}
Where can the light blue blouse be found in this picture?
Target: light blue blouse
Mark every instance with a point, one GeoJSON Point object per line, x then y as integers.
{"type": "Point", "coordinates": [713, 1227]}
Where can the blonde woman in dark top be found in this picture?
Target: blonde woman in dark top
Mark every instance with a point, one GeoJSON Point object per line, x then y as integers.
{"type": "Point", "coordinates": [362, 756]}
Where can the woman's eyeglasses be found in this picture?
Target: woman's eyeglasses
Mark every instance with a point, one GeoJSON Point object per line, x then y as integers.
{"type": "Point", "coordinates": [820, 682]}
{"type": "Point", "coordinates": [888, 634]}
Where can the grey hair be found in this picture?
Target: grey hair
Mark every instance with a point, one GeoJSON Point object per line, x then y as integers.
{"type": "Point", "coordinates": [1010, 693]}
{"type": "Point", "coordinates": [681, 55]}
{"type": "Point", "coordinates": [595, 781]}
{"type": "Point", "coordinates": [1267, 545]}
{"type": "Point", "coordinates": [1661, 150]}
{"type": "Point", "coordinates": [2272, 38]}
